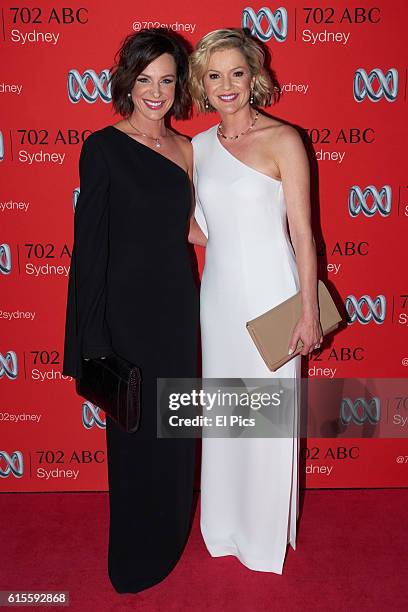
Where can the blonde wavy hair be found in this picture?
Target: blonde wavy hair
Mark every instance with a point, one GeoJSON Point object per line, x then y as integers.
{"type": "Point", "coordinates": [264, 89]}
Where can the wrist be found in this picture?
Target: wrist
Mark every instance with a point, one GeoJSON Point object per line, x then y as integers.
{"type": "Point", "coordinates": [310, 312]}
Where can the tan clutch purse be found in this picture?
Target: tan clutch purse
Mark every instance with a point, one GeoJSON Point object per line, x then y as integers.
{"type": "Point", "coordinates": [272, 330]}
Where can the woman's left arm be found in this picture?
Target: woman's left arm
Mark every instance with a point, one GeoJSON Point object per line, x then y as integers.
{"type": "Point", "coordinates": [195, 233]}
{"type": "Point", "coordinates": [295, 174]}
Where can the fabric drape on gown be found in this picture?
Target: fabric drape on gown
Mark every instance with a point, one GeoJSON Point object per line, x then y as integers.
{"type": "Point", "coordinates": [249, 487]}
{"type": "Point", "coordinates": [132, 291]}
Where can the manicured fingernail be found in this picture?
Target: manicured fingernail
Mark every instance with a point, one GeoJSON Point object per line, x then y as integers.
{"type": "Point", "coordinates": [290, 351]}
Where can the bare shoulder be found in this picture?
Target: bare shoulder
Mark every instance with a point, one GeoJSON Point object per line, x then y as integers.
{"type": "Point", "coordinates": [182, 141]}
{"type": "Point", "coordinates": [287, 142]}
{"type": "Point", "coordinates": [184, 144]}
{"type": "Point", "coordinates": [289, 136]}
{"type": "Point", "coordinates": [282, 133]}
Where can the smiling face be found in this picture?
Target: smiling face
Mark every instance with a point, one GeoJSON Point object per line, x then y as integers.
{"type": "Point", "coordinates": [154, 89]}
{"type": "Point", "coordinates": [227, 81]}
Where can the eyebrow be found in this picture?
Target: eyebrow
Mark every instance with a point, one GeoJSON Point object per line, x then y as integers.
{"type": "Point", "coordinates": [232, 69]}
{"type": "Point", "coordinates": [162, 77]}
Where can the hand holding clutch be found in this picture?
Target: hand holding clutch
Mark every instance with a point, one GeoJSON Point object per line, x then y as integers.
{"type": "Point", "coordinates": [113, 384]}
{"type": "Point", "coordinates": [309, 330]}
{"type": "Point", "coordinates": [272, 331]}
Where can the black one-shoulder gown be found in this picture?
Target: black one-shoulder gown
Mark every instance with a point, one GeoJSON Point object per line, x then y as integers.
{"type": "Point", "coordinates": [132, 291]}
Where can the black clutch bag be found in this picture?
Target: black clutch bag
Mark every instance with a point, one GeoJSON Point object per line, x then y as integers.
{"type": "Point", "coordinates": [113, 384]}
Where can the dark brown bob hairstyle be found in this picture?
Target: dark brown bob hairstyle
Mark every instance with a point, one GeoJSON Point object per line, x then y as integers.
{"type": "Point", "coordinates": [138, 51]}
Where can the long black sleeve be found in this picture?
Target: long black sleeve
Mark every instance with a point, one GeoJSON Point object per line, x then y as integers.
{"type": "Point", "coordinates": [86, 331]}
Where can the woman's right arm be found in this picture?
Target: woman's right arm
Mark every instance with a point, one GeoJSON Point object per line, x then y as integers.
{"type": "Point", "coordinates": [86, 332]}
{"type": "Point", "coordinates": [198, 231]}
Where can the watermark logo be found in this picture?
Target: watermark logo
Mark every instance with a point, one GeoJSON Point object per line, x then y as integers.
{"type": "Point", "coordinates": [8, 365]}
{"type": "Point", "coordinates": [78, 86]}
{"type": "Point", "coordinates": [5, 259]}
{"type": "Point", "coordinates": [376, 309]}
{"type": "Point", "coordinates": [358, 201]}
{"type": "Point", "coordinates": [13, 463]}
{"type": "Point", "coordinates": [91, 415]}
{"type": "Point", "coordinates": [387, 85]}
{"type": "Point", "coordinates": [360, 411]}
{"type": "Point", "coordinates": [276, 23]}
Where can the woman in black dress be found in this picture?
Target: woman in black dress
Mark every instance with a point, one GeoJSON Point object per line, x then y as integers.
{"type": "Point", "coordinates": [136, 296]}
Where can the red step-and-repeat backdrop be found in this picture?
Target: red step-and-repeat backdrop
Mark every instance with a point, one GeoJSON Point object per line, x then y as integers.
{"type": "Point", "coordinates": [343, 77]}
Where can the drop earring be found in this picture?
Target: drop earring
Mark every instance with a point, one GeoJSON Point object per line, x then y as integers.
{"type": "Point", "coordinates": [251, 97]}
{"type": "Point", "coordinates": [206, 103]}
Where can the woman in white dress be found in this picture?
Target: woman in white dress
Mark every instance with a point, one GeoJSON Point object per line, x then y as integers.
{"type": "Point", "coordinates": [251, 177]}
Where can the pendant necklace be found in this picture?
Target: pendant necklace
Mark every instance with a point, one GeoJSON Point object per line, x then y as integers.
{"type": "Point", "coordinates": [221, 133]}
{"type": "Point", "coordinates": [156, 139]}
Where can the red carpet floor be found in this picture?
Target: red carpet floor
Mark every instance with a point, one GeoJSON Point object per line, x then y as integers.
{"type": "Point", "coordinates": [352, 555]}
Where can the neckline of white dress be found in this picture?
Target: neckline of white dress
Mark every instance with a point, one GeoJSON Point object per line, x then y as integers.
{"type": "Point", "coordinates": [229, 154]}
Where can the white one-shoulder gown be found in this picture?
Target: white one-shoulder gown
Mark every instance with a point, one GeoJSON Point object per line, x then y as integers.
{"type": "Point", "coordinates": [249, 487]}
